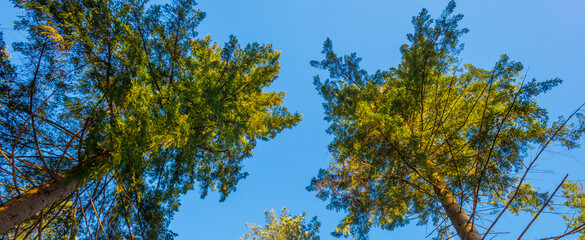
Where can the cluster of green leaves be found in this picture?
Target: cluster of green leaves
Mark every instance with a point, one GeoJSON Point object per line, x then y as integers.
{"type": "Point", "coordinates": [129, 102]}
{"type": "Point", "coordinates": [284, 227]}
{"type": "Point", "coordinates": [406, 137]}
{"type": "Point", "coordinates": [575, 199]}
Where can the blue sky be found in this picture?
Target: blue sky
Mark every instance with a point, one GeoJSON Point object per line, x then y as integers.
{"type": "Point", "coordinates": [546, 36]}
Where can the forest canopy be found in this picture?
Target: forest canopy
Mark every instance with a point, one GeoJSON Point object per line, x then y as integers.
{"type": "Point", "coordinates": [112, 111]}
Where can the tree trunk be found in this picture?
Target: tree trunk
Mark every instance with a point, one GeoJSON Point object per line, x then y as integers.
{"type": "Point", "coordinates": [457, 216]}
{"type": "Point", "coordinates": [17, 210]}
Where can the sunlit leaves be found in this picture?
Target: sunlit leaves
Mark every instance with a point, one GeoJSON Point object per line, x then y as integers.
{"type": "Point", "coordinates": [284, 226]}
{"type": "Point", "coordinates": [575, 199]}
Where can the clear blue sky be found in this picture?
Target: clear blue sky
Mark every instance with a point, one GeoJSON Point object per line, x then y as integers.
{"type": "Point", "coordinates": [547, 36]}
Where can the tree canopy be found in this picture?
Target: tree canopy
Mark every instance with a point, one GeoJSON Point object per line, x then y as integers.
{"type": "Point", "coordinates": [284, 226]}
{"type": "Point", "coordinates": [432, 140]}
{"type": "Point", "coordinates": [118, 109]}
{"type": "Point", "coordinates": [111, 110]}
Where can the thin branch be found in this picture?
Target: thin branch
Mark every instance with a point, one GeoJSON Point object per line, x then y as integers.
{"type": "Point", "coordinates": [543, 206]}
{"type": "Point", "coordinates": [528, 169]}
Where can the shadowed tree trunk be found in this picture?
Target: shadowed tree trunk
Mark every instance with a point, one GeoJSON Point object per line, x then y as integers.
{"type": "Point", "coordinates": [17, 210]}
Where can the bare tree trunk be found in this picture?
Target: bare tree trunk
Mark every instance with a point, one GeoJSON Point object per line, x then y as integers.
{"type": "Point", "coordinates": [17, 210]}
{"type": "Point", "coordinates": [457, 216]}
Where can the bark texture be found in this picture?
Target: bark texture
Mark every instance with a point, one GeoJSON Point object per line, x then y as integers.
{"type": "Point", "coordinates": [17, 210]}
{"type": "Point", "coordinates": [459, 219]}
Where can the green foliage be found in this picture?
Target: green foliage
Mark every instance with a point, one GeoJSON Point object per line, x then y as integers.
{"type": "Point", "coordinates": [127, 100]}
{"type": "Point", "coordinates": [575, 199]}
{"type": "Point", "coordinates": [429, 125]}
{"type": "Point", "coordinates": [286, 227]}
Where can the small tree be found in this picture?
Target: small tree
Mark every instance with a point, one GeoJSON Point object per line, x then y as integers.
{"type": "Point", "coordinates": [286, 227]}
{"type": "Point", "coordinates": [431, 140]}
{"type": "Point", "coordinates": [119, 110]}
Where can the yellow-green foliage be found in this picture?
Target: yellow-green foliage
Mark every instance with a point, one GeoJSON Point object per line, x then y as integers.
{"type": "Point", "coordinates": [575, 200]}
{"type": "Point", "coordinates": [152, 110]}
{"type": "Point", "coordinates": [431, 121]}
{"type": "Point", "coordinates": [284, 227]}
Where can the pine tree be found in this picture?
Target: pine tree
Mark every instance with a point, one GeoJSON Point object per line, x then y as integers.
{"type": "Point", "coordinates": [431, 140]}
{"type": "Point", "coordinates": [119, 110]}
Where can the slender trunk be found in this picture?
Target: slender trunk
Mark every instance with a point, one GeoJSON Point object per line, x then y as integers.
{"type": "Point", "coordinates": [459, 219]}
{"type": "Point", "coordinates": [17, 210]}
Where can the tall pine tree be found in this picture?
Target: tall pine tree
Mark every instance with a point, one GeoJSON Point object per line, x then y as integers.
{"type": "Point", "coordinates": [431, 140]}
{"type": "Point", "coordinates": [118, 109]}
